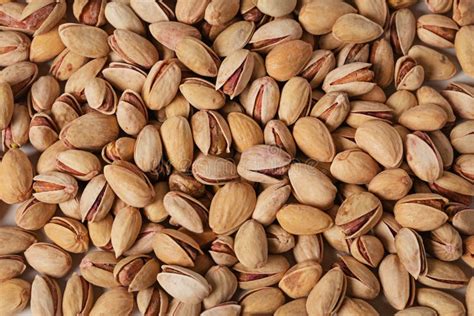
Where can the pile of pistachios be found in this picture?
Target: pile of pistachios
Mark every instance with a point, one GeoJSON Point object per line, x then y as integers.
{"type": "Point", "coordinates": [237, 157]}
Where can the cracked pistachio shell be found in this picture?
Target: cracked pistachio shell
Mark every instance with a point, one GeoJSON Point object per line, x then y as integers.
{"type": "Point", "coordinates": [211, 133]}
{"type": "Point", "coordinates": [152, 301]}
{"type": "Point", "coordinates": [391, 184]}
{"type": "Point", "coordinates": [354, 166]}
{"type": "Point", "coordinates": [96, 199]}
{"type": "Point", "coordinates": [121, 16]}
{"type": "Point", "coordinates": [327, 295]}
{"type": "Point", "coordinates": [382, 61]}
{"type": "Point", "coordinates": [178, 142]}
{"type": "Point", "coordinates": [368, 250]}
{"type": "Point", "coordinates": [84, 40]}
{"type": "Point", "coordinates": [262, 301]}
{"type": "Point", "coordinates": [42, 94]}
{"type": "Point", "coordinates": [65, 109]}
{"type": "Point", "coordinates": [235, 72]}
{"type": "Point", "coordinates": [270, 200]}
{"type": "Point", "coordinates": [464, 46]}
{"type": "Point", "coordinates": [48, 259]}
{"type": "Point", "coordinates": [77, 82]}
{"type": "Point", "coordinates": [295, 101]}
{"type": "Point", "coordinates": [356, 307]}
{"type": "Point", "coordinates": [361, 282]}
{"type": "Point", "coordinates": [89, 12]}
{"type": "Point", "coordinates": [310, 186]}
{"type": "Point", "coordinates": [409, 75]}
{"type": "Point", "coordinates": [80, 164]}
{"type": "Point", "coordinates": [443, 275]}
{"type": "Point", "coordinates": [442, 302]}
{"type": "Point", "coordinates": [161, 84]}
{"type": "Point", "coordinates": [445, 149]}
{"type": "Point", "coordinates": [20, 76]}
{"type": "Point", "coordinates": [460, 96]}
{"type": "Point", "coordinates": [273, 33]}
{"type": "Point", "coordinates": [129, 183]}
{"type": "Point", "coordinates": [309, 247]}
{"type": "Point", "coordinates": [454, 188]}
{"type": "Point", "coordinates": [101, 96]}
{"type": "Point", "coordinates": [300, 279]}
{"type": "Point", "coordinates": [223, 283]}
{"type": "Point", "coordinates": [185, 183]}
{"type": "Point", "coordinates": [115, 301]}
{"type": "Point", "coordinates": [402, 30]}
{"type": "Point", "coordinates": [300, 219]}
{"type": "Point", "coordinates": [186, 211]}
{"type": "Point", "coordinates": [354, 79]}
{"type": "Point", "coordinates": [97, 268]}
{"type": "Point", "coordinates": [261, 99]}
{"type": "Point", "coordinates": [202, 94]}
{"type": "Point", "coordinates": [436, 30]}
{"type": "Point", "coordinates": [43, 131]}
{"type": "Point", "coordinates": [197, 56]}
{"type": "Point", "coordinates": [436, 65]}
{"type": "Point", "coordinates": [125, 76]}
{"type": "Point", "coordinates": [279, 240]}
{"type": "Point", "coordinates": [381, 141]}
{"type": "Point", "coordinates": [125, 229]}
{"type": "Point", "coordinates": [356, 28]}
{"type": "Point", "coordinates": [144, 242]}
{"type": "Point", "coordinates": [78, 296]}
{"type": "Point", "coordinates": [462, 136]}
{"type": "Point", "coordinates": [254, 278]}
{"type": "Point", "coordinates": [321, 63]}
{"type": "Point", "coordinates": [250, 245]}
{"type": "Point", "coordinates": [423, 157]}
{"type": "Point", "coordinates": [424, 117]}
{"type": "Point", "coordinates": [15, 47]}
{"type": "Point", "coordinates": [264, 164]}
{"type": "Point", "coordinates": [15, 240]}
{"type": "Point", "coordinates": [358, 214]}
{"type": "Point", "coordinates": [276, 133]}
{"type": "Point", "coordinates": [332, 109]}
{"type": "Point", "coordinates": [68, 234]}
{"type": "Point", "coordinates": [183, 284]}
{"type": "Point", "coordinates": [287, 59]}
{"type": "Point", "coordinates": [176, 247]}
{"type": "Point", "coordinates": [15, 295]}
{"type": "Point", "coordinates": [222, 251]}
{"type": "Point", "coordinates": [462, 13]}
{"type": "Point", "coordinates": [133, 48]}
{"type": "Point", "coordinates": [132, 114]}
{"type": "Point", "coordinates": [231, 206]}
{"type": "Point", "coordinates": [119, 149]}
{"type": "Point", "coordinates": [397, 284]}
{"type": "Point", "coordinates": [411, 251]}
{"type": "Point", "coordinates": [221, 172]}
{"type": "Point", "coordinates": [17, 177]}
{"type": "Point", "coordinates": [318, 17]}
{"type": "Point", "coordinates": [11, 266]}
{"type": "Point", "coordinates": [169, 33]}
{"type": "Point", "coordinates": [17, 133]}
{"type": "Point", "coordinates": [91, 131]}
{"type": "Point", "coordinates": [136, 272]}
{"type": "Point", "coordinates": [421, 211]}
{"type": "Point", "coordinates": [152, 11]}
{"type": "Point", "coordinates": [46, 296]}
{"type": "Point", "coordinates": [314, 139]}
{"type": "Point", "coordinates": [234, 37]}
{"type": "Point", "coordinates": [362, 111]}
{"type": "Point", "coordinates": [66, 64]}
{"type": "Point", "coordinates": [148, 150]}
{"type": "Point", "coordinates": [54, 187]}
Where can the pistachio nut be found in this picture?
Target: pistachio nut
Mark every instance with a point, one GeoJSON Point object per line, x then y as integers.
{"type": "Point", "coordinates": [33, 214]}
{"type": "Point", "coordinates": [176, 247]}
{"type": "Point", "coordinates": [235, 72]}
{"type": "Point", "coordinates": [46, 296]}
{"type": "Point", "coordinates": [382, 60]}
{"type": "Point", "coordinates": [267, 275]}
{"type": "Point", "coordinates": [267, 36]}
{"type": "Point", "coordinates": [250, 245]}
{"type": "Point", "coordinates": [124, 76]}
{"type": "Point", "coordinates": [235, 36]}
{"type": "Point", "coordinates": [444, 243]}
{"type": "Point", "coordinates": [359, 213]}
{"type": "Point", "coordinates": [122, 16]}
{"type": "Point", "coordinates": [287, 59]}
{"type": "Point", "coordinates": [402, 30]}
{"type": "Point", "coordinates": [202, 94]}
{"type": "Point", "coordinates": [15, 47]}
{"type": "Point", "coordinates": [454, 188]}
{"type": "Point", "coordinates": [398, 286]}
{"type": "Point", "coordinates": [436, 65]}
{"type": "Point", "coordinates": [169, 33]}
{"type": "Point", "coordinates": [270, 201]}
{"type": "Point", "coordinates": [461, 135]}
{"type": "Point", "coordinates": [459, 96]}
{"type": "Point", "coordinates": [311, 133]}
{"type": "Point", "coordinates": [211, 133]}
{"type": "Point", "coordinates": [327, 295]}
{"type": "Point", "coordinates": [197, 56]}
{"type": "Point", "coordinates": [276, 133]}
{"type": "Point", "coordinates": [291, 216]}
{"type": "Point", "coordinates": [361, 282]}
{"type": "Point", "coordinates": [46, 46]}
{"type": "Point", "coordinates": [309, 247]}
{"type": "Point", "coordinates": [119, 149]}
{"type": "Point", "coordinates": [20, 76]}
{"type": "Point", "coordinates": [354, 79]}
{"type": "Point", "coordinates": [115, 301]}
{"type": "Point", "coordinates": [222, 251]}
{"type": "Point", "coordinates": [409, 75]}
{"type": "Point", "coordinates": [463, 45]}
{"type": "Point", "coordinates": [15, 295]}
{"type": "Point", "coordinates": [100, 233]}
{"type": "Point", "coordinates": [356, 28]}
{"type": "Point", "coordinates": [11, 266]}
{"type": "Point", "coordinates": [332, 109]}
{"type": "Point", "coordinates": [439, 6]}
{"type": "Point", "coordinates": [78, 296]}
{"type": "Point", "coordinates": [186, 211]}
{"type": "Point", "coordinates": [442, 302]}
{"type": "Point", "coordinates": [68, 234]}
{"type": "Point", "coordinates": [87, 41]}
{"type": "Point", "coordinates": [368, 250]}
{"type": "Point", "coordinates": [463, 221]}
{"type": "Point", "coordinates": [443, 275]}
{"type": "Point", "coordinates": [318, 17]}
{"type": "Point", "coordinates": [212, 170]}
{"type": "Point", "coordinates": [322, 61]}
{"type": "Point", "coordinates": [362, 111]}
{"type": "Point", "coordinates": [391, 184]}
{"type": "Point", "coordinates": [177, 139]}
{"type": "Point", "coordinates": [295, 100]}
{"type": "Point", "coordinates": [354, 166]}
{"type": "Point", "coordinates": [436, 30]}
{"type": "Point", "coordinates": [152, 301]}
{"type": "Point", "coordinates": [265, 300]}
{"type": "Point", "coordinates": [411, 252]}
{"type": "Point", "coordinates": [97, 268]}
{"type": "Point", "coordinates": [183, 284]}
{"type": "Point", "coordinates": [66, 63]}
{"type": "Point", "coordinates": [300, 279]}
{"type": "Point", "coordinates": [152, 11]}
{"type": "Point", "coordinates": [15, 240]}
{"type": "Point", "coordinates": [161, 84]}
{"type": "Point", "coordinates": [96, 200]}
{"type": "Point", "coordinates": [125, 229]}
{"type": "Point", "coordinates": [223, 283]}
{"type": "Point", "coordinates": [77, 82]}
{"type": "Point", "coordinates": [48, 259]}
{"type": "Point", "coordinates": [136, 272]}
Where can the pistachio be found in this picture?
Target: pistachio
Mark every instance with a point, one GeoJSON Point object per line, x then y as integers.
{"type": "Point", "coordinates": [398, 286]}
{"type": "Point", "coordinates": [354, 166]}
{"type": "Point", "coordinates": [264, 300]}
{"type": "Point", "coordinates": [15, 240]}
{"type": "Point", "coordinates": [462, 221]}
{"type": "Point", "coordinates": [309, 247]}
{"type": "Point", "coordinates": [234, 37]}
{"type": "Point", "coordinates": [354, 79]}
{"type": "Point", "coordinates": [436, 65]}
{"type": "Point", "coordinates": [327, 295]}
{"type": "Point", "coordinates": [202, 94]}
{"type": "Point", "coordinates": [361, 282]}
{"type": "Point", "coordinates": [290, 218]}
{"type": "Point", "coordinates": [152, 301]}
{"type": "Point", "coordinates": [287, 59]}
{"type": "Point", "coordinates": [223, 283]}
{"type": "Point", "coordinates": [269, 274]}
{"type": "Point", "coordinates": [125, 229]}
{"type": "Point", "coordinates": [402, 30]}
{"type": "Point", "coordinates": [300, 279]}
{"type": "Point", "coordinates": [186, 211]}
{"type": "Point", "coordinates": [122, 16]}
{"type": "Point", "coordinates": [461, 13]}
{"type": "Point", "coordinates": [355, 28]}
{"type": "Point", "coordinates": [48, 259]}
{"type": "Point", "coordinates": [251, 247]}
{"type": "Point", "coordinates": [421, 211]}
{"type": "Point", "coordinates": [97, 268]}
{"type": "Point", "coordinates": [115, 301]}
{"type": "Point", "coordinates": [46, 296]}
{"type": "Point", "coordinates": [411, 251]}
{"type": "Point", "coordinates": [436, 30]}
{"type": "Point", "coordinates": [462, 45]}
{"type": "Point", "coordinates": [87, 41]}
{"type": "Point", "coordinates": [78, 296]}
{"type": "Point", "coordinates": [443, 275]}
{"type": "Point", "coordinates": [316, 22]}
{"type": "Point", "coordinates": [409, 75]}
{"type": "Point", "coordinates": [15, 294]}
{"type": "Point", "coordinates": [295, 100]}
{"type": "Point", "coordinates": [441, 302]}
{"type": "Point", "coordinates": [368, 250]}
{"type": "Point", "coordinates": [178, 149]}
